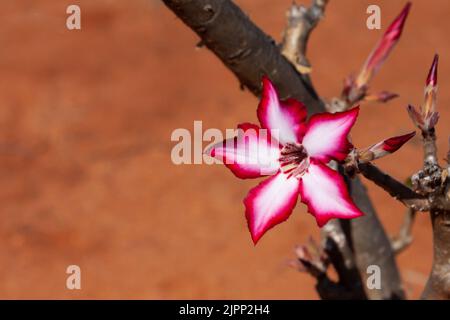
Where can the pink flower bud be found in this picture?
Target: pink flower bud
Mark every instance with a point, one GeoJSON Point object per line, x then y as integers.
{"type": "Point", "coordinates": [383, 48]}
{"type": "Point", "coordinates": [393, 144]}
{"type": "Point", "coordinates": [384, 147]}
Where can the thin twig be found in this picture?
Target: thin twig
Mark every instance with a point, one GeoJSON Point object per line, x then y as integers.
{"type": "Point", "coordinates": [314, 260]}
{"type": "Point", "coordinates": [404, 237]}
{"type": "Point", "coordinates": [300, 23]}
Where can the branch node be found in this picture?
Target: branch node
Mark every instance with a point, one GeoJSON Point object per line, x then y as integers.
{"type": "Point", "coordinates": [300, 23]}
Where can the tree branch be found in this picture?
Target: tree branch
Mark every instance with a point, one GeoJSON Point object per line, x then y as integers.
{"type": "Point", "coordinates": [395, 188]}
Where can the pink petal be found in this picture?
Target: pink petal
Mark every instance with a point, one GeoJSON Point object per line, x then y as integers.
{"type": "Point", "coordinates": [325, 193]}
{"type": "Point", "coordinates": [270, 203]}
{"type": "Point", "coordinates": [284, 118]}
{"type": "Point", "coordinates": [383, 48]}
{"type": "Point", "coordinates": [252, 154]}
{"type": "Point", "coordinates": [326, 135]}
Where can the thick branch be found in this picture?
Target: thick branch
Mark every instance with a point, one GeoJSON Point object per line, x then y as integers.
{"type": "Point", "coordinates": [246, 50]}
{"type": "Point", "coordinates": [249, 53]}
{"type": "Point", "coordinates": [395, 188]}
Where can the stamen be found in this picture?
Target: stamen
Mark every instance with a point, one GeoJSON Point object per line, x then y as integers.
{"type": "Point", "coordinates": [293, 160]}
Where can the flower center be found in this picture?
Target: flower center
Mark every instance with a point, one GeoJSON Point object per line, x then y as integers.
{"type": "Point", "coordinates": [293, 160]}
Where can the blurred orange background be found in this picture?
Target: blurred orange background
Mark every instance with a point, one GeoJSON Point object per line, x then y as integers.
{"type": "Point", "coordinates": [86, 175]}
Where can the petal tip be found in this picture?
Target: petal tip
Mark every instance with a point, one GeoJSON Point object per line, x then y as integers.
{"type": "Point", "coordinates": [255, 237]}
{"type": "Point", "coordinates": [254, 234]}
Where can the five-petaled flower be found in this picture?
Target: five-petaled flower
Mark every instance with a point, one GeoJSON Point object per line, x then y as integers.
{"type": "Point", "coordinates": [295, 155]}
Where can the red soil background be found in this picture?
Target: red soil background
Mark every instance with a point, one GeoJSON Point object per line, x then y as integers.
{"type": "Point", "coordinates": [86, 175]}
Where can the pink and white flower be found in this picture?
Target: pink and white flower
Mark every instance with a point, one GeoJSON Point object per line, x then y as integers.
{"type": "Point", "coordinates": [295, 160]}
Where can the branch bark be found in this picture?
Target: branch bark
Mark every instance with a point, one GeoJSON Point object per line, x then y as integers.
{"type": "Point", "coordinates": [438, 284]}
{"type": "Point", "coordinates": [249, 53]}
{"type": "Point", "coordinates": [436, 183]}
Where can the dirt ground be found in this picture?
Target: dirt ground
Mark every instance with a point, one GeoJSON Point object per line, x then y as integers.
{"type": "Point", "coordinates": [86, 175]}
